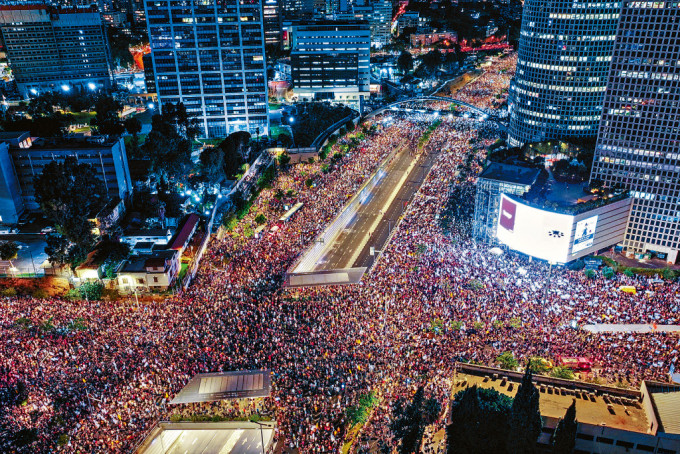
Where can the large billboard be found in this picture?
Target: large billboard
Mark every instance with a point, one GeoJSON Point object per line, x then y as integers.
{"type": "Point", "coordinates": [557, 237]}
{"type": "Point", "coordinates": [532, 231]}
{"type": "Point", "coordinates": [584, 234]}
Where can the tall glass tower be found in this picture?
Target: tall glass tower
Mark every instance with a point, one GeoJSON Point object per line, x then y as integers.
{"type": "Point", "coordinates": [209, 54]}
{"type": "Point", "coordinates": [565, 48]}
{"type": "Point", "coordinates": [639, 139]}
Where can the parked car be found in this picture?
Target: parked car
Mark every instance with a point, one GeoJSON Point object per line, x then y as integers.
{"type": "Point", "coordinates": [48, 229]}
{"type": "Point", "coordinates": [5, 230]}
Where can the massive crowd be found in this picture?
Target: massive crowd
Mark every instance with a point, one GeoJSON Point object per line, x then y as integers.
{"type": "Point", "coordinates": [85, 377]}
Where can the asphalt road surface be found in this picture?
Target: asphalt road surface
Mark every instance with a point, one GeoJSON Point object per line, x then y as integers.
{"type": "Point", "coordinates": [378, 214]}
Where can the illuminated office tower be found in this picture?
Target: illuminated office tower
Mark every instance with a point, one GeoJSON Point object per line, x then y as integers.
{"type": "Point", "coordinates": [272, 22]}
{"type": "Point", "coordinates": [638, 143]}
{"type": "Point", "coordinates": [210, 56]}
{"type": "Point", "coordinates": [565, 48]}
{"type": "Point", "coordinates": [55, 48]}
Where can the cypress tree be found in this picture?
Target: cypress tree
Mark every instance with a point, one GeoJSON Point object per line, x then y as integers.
{"type": "Point", "coordinates": [564, 439]}
{"type": "Point", "coordinates": [525, 418]}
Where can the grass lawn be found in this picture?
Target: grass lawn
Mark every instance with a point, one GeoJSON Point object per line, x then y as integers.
{"type": "Point", "coordinates": [275, 131]}
{"type": "Point", "coordinates": [274, 105]}
{"type": "Point", "coordinates": [183, 271]}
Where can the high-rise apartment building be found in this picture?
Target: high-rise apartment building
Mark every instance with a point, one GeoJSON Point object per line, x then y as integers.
{"type": "Point", "coordinates": [210, 56]}
{"type": "Point", "coordinates": [638, 143]}
{"type": "Point", "coordinates": [53, 48]}
{"type": "Point", "coordinates": [565, 48]}
{"type": "Point", "coordinates": [330, 61]}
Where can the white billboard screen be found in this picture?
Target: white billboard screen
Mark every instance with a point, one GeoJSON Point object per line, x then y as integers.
{"type": "Point", "coordinates": [584, 234]}
{"type": "Point", "coordinates": [535, 232]}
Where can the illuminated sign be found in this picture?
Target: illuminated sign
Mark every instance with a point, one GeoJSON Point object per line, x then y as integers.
{"type": "Point", "coordinates": [584, 234]}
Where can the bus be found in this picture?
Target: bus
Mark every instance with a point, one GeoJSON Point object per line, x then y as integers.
{"type": "Point", "coordinates": [285, 218]}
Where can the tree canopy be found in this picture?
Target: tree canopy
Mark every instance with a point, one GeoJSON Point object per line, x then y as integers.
{"type": "Point", "coordinates": [479, 421]}
{"type": "Point", "coordinates": [525, 417]}
{"type": "Point", "coordinates": [68, 193]}
{"type": "Point", "coordinates": [8, 250]}
{"type": "Point", "coordinates": [168, 145]}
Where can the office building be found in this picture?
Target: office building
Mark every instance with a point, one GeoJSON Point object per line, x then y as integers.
{"type": "Point", "coordinates": [381, 23]}
{"type": "Point", "coordinates": [28, 157]}
{"type": "Point", "coordinates": [638, 145]}
{"type": "Point", "coordinates": [565, 48]}
{"type": "Point", "coordinates": [53, 48]}
{"type": "Point", "coordinates": [330, 61]}
{"type": "Point", "coordinates": [210, 56]}
{"type": "Point", "coordinates": [272, 17]}
{"type": "Point", "coordinates": [297, 9]}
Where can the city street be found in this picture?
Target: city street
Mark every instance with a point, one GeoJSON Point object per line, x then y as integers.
{"type": "Point", "coordinates": [378, 214]}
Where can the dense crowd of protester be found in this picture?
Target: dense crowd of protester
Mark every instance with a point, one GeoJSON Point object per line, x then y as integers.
{"type": "Point", "coordinates": [88, 376]}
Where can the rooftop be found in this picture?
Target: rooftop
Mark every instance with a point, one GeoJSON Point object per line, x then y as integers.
{"type": "Point", "coordinates": [61, 143]}
{"type": "Point", "coordinates": [510, 173]}
{"type": "Point", "coordinates": [214, 437]}
{"type": "Point", "coordinates": [139, 263]}
{"type": "Point", "coordinates": [666, 401]}
{"type": "Point", "coordinates": [595, 404]}
{"type": "Point", "coordinates": [184, 232]}
{"type": "Point", "coordinates": [225, 385]}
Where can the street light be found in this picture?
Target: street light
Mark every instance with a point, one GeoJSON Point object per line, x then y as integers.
{"type": "Point", "coordinates": [150, 105]}
{"type": "Point", "coordinates": [34, 91]}
{"type": "Point", "coordinates": [91, 86]}
{"type": "Point", "coordinates": [291, 120]}
{"type": "Point", "coordinates": [65, 87]}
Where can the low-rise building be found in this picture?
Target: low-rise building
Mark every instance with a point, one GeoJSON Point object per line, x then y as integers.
{"type": "Point", "coordinates": [184, 233]}
{"type": "Point", "coordinates": [610, 419]}
{"type": "Point", "coordinates": [156, 271]}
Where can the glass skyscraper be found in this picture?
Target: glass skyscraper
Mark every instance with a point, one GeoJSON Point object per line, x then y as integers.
{"type": "Point", "coordinates": [209, 54]}
{"type": "Point", "coordinates": [639, 139]}
{"type": "Point", "coordinates": [565, 48]}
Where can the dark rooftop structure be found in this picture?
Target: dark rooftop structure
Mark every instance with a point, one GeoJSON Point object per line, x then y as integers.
{"type": "Point", "coordinates": [510, 173]}
{"type": "Point", "coordinates": [225, 385]}
{"type": "Point", "coordinates": [184, 233]}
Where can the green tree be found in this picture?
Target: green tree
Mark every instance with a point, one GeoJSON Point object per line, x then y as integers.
{"type": "Point", "coordinates": [608, 272]}
{"type": "Point", "coordinates": [56, 248]}
{"type": "Point", "coordinates": [408, 423]}
{"type": "Point", "coordinates": [106, 121]}
{"type": "Point", "coordinates": [431, 410]}
{"type": "Point", "coordinates": [479, 422]}
{"type": "Point", "coordinates": [8, 250]}
{"type": "Point", "coordinates": [212, 164]}
{"type": "Point", "coordinates": [524, 424]}
{"type": "Point", "coordinates": [284, 160]}
{"type": "Point", "coordinates": [68, 192]}
{"type": "Point", "coordinates": [405, 62]}
{"type": "Point", "coordinates": [133, 126]}
{"type": "Point", "coordinates": [167, 146]}
{"type": "Point", "coordinates": [507, 360]}
{"type": "Point", "coordinates": [564, 439]}
{"type": "Point", "coordinates": [562, 372]}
